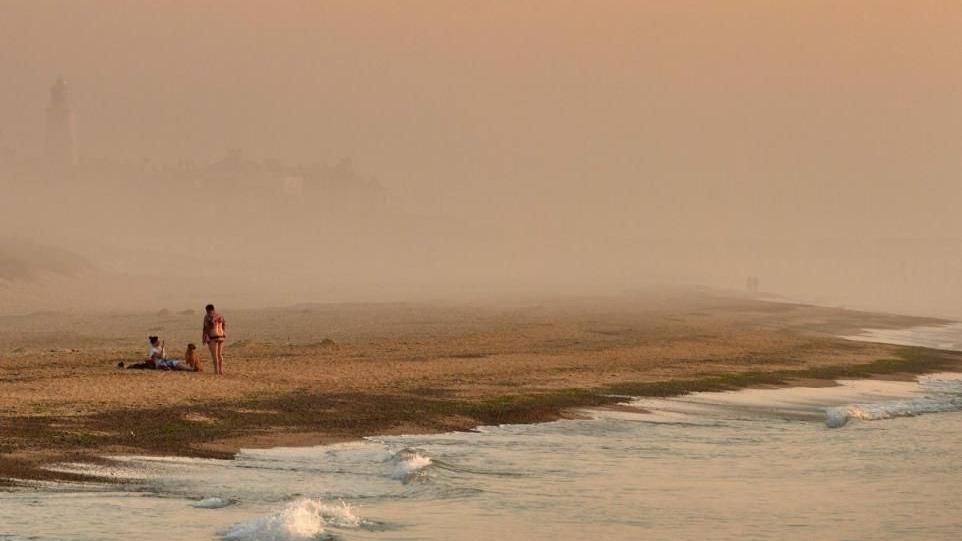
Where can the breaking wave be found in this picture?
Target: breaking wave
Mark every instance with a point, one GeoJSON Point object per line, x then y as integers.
{"type": "Point", "coordinates": [409, 465]}
{"type": "Point", "coordinates": [213, 503]}
{"type": "Point", "coordinates": [839, 416]}
{"type": "Point", "coordinates": [300, 520]}
{"type": "Point", "coordinates": [942, 395]}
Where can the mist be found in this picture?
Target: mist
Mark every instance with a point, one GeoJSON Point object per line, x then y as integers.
{"type": "Point", "coordinates": [269, 153]}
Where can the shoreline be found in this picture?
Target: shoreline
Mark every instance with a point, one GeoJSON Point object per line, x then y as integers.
{"type": "Point", "coordinates": [435, 401]}
{"type": "Point", "coordinates": [519, 409]}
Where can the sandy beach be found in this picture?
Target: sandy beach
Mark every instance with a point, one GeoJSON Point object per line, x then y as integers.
{"type": "Point", "coordinates": [315, 374]}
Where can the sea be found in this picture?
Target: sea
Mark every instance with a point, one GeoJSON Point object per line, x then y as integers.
{"type": "Point", "coordinates": [862, 460]}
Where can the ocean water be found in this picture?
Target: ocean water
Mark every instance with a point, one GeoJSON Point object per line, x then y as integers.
{"type": "Point", "coordinates": [862, 460]}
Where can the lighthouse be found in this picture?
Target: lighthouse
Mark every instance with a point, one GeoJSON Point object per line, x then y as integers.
{"type": "Point", "coordinates": [60, 147]}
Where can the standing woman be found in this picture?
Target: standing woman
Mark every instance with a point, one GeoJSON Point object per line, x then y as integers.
{"type": "Point", "coordinates": [215, 333]}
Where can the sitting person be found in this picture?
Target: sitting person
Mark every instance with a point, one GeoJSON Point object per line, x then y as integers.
{"type": "Point", "coordinates": [193, 359]}
{"type": "Point", "coordinates": [157, 358]}
{"type": "Point", "coordinates": [155, 355]}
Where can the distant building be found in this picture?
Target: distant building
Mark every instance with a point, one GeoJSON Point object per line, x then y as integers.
{"type": "Point", "coordinates": [60, 146]}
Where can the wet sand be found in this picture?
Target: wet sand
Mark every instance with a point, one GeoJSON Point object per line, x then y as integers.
{"type": "Point", "coordinates": [316, 374]}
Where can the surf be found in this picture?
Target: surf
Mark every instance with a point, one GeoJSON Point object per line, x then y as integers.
{"type": "Point", "coordinates": [300, 520]}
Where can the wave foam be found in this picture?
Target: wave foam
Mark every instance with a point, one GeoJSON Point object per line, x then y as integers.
{"type": "Point", "coordinates": [300, 520]}
{"type": "Point", "coordinates": [840, 416]}
{"type": "Point", "coordinates": [212, 503]}
{"type": "Point", "coordinates": [408, 463]}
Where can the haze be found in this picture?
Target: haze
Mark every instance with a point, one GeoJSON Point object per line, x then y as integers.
{"type": "Point", "coordinates": [262, 153]}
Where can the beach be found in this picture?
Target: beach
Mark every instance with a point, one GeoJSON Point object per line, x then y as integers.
{"type": "Point", "coordinates": [324, 373]}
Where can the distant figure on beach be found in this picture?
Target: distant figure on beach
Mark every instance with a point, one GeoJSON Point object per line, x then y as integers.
{"type": "Point", "coordinates": [157, 358]}
{"type": "Point", "coordinates": [155, 352]}
{"type": "Point", "coordinates": [215, 333]}
{"type": "Point", "coordinates": [193, 359]}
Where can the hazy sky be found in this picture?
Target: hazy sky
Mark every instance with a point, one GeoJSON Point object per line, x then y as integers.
{"type": "Point", "coordinates": [468, 100]}
{"type": "Point", "coordinates": [601, 123]}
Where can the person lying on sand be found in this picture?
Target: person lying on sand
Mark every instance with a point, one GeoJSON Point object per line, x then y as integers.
{"type": "Point", "coordinates": [171, 364]}
{"type": "Point", "coordinates": [157, 358]}
{"type": "Point", "coordinates": [174, 364]}
{"type": "Point", "coordinates": [155, 353]}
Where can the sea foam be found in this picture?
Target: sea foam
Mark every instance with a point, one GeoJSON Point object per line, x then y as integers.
{"type": "Point", "coordinates": [212, 503]}
{"type": "Point", "coordinates": [942, 395]}
{"type": "Point", "coordinates": [841, 415]}
{"type": "Point", "coordinates": [408, 463]}
{"type": "Point", "coordinates": [300, 520]}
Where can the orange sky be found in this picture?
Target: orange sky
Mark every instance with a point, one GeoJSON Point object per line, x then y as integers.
{"type": "Point", "coordinates": [582, 137]}
{"type": "Point", "coordinates": [457, 102]}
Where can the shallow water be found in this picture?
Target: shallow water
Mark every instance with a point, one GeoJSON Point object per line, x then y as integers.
{"type": "Point", "coordinates": [863, 460]}
{"type": "Point", "coordinates": [947, 337]}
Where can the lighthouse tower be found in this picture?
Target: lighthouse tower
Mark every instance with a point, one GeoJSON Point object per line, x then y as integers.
{"type": "Point", "coordinates": [60, 148]}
